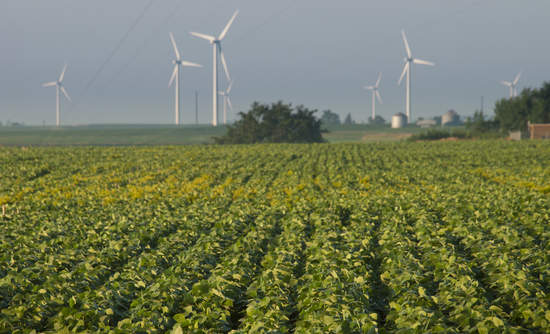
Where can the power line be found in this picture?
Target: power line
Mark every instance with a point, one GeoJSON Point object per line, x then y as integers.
{"type": "Point", "coordinates": [270, 18]}
{"type": "Point", "coordinates": [173, 13]}
{"type": "Point", "coordinates": [115, 50]}
{"type": "Point", "coordinates": [140, 49]}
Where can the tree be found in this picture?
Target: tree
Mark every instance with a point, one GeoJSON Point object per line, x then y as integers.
{"type": "Point", "coordinates": [275, 123]}
{"type": "Point", "coordinates": [378, 120]}
{"type": "Point", "coordinates": [531, 105]}
{"type": "Point", "coordinates": [348, 120]}
{"type": "Point", "coordinates": [330, 118]}
{"type": "Point", "coordinates": [478, 124]}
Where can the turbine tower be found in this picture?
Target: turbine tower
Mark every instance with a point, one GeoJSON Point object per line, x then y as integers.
{"type": "Point", "coordinates": [375, 95]}
{"type": "Point", "coordinates": [226, 101]}
{"type": "Point", "coordinates": [58, 87]}
{"type": "Point", "coordinates": [176, 76]}
{"type": "Point", "coordinates": [217, 48]}
{"type": "Point", "coordinates": [409, 61]}
{"type": "Point", "coordinates": [512, 85]}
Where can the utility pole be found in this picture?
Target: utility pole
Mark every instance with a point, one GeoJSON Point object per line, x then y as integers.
{"type": "Point", "coordinates": [482, 104]}
{"type": "Point", "coordinates": [196, 107]}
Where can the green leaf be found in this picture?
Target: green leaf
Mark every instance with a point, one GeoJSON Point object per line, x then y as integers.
{"type": "Point", "coordinates": [421, 292]}
{"type": "Point", "coordinates": [481, 329]}
{"type": "Point", "coordinates": [177, 329]}
{"type": "Point", "coordinates": [497, 322]}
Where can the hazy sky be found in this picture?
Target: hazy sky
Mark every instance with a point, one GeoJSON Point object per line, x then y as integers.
{"type": "Point", "coordinates": [318, 53]}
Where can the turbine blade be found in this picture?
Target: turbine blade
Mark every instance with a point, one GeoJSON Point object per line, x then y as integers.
{"type": "Point", "coordinates": [173, 76]}
{"type": "Point", "coordinates": [506, 83]}
{"type": "Point", "coordinates": [423, 62]}
{"type": "Point", "coordinates": [229, 103]}
{"type": "Point", "coordinates": [403, 73]}
{"type": "Point", "coordinates": [49, 84]}
{"type": "Point", "coordinates": [516, 80]}
{"type": "Point", "coordinates": [209, 38]}
{"type": "Point", "coordinates": [65, 93]}
{"type": "Point", "coordinates": [407, 48]}
{"type": "Point", "coordinates": [230, 87]}
{"type": "Point", "coordinates": [226, 29]}
{"type": "Point", "coordinates": [225, 69]}
{"type": "Point", "coordinates": [62, 73]}
{"type": "Point", "coordinates": [378, 81]}
{"type": "Point", "coordinates": [369, 87]}
{"type": "Point", "coordinates": [175, 46]}
{"type": "Point", "coordinates": [379, 97]}
{"type": "Point", "coordinates": [190, 64]}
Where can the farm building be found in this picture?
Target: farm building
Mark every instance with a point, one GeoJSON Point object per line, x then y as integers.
{"type": "Point", "coordinates": [426, 123]}
{"type": "Point", "coordinates": [539, 131]}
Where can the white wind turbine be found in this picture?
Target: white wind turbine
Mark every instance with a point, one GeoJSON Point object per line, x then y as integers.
{"type": "Point", "coordinates": [226, 101]}
{"type": "Point", "coordinates": [375, 95]}
{"type": "Point", "coordinates": [409, 61]}
{"type": "Point", "coordinates": [176, 75]}
{"type": "Point", "coordinates": [512, 85]}
{"type": "Point", "coordinates": [216, 43]}
{"type": "Point", "coordinates": [58, 87]}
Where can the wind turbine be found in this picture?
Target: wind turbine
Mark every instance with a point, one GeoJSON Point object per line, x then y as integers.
{"type": "Point", "coordinates": [375, 95]}
{"type": "Point", "coordinates": [176, 75]}
{"type": "Point", "coordinates": [58, 87]}
{"type": "Point", "coordinates": [409, 61]}
{"type": "Point", "coordinates": [512, 85]}
{"type": "Point", "coordinates": [217, 48]}
{"type": "Point", "coordinates": [226, 101]}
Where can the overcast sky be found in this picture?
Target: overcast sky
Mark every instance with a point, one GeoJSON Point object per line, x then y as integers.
{"type": "Point", "coordinates": [318, 53]}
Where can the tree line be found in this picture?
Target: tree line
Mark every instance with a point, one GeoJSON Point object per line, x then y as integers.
{"type": "Point", "coordinates": [512, 114]}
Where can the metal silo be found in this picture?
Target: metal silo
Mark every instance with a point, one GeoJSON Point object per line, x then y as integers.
{"type": "Point", "coordinates": [398, 121]}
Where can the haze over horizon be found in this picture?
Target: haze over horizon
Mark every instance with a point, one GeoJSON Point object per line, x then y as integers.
{"type": "Point", "coordinates": [316, 53]}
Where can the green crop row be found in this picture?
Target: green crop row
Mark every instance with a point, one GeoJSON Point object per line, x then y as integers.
{"type": "Point", "coordinates": [348, 238]}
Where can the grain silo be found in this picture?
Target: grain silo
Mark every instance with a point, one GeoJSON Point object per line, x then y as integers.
{"type": "Point", "coordinates": [398, 121]}
{"type": "Point", "coordinates": [450, 118]}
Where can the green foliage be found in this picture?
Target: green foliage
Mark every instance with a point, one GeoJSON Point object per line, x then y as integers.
{"type": "Point", "coordinates": [295, 238]}
{"type": "Point", "coordinates": [531, 105]}
{"type": "Point", "coordinates": [477, 127]}
{"type": "Point", "coordinates": [275, 123]}
{"type": "Point", "coordinates": [437, 134]}
{"type": "Point", "coordinates": [478, 124]}
{"type": "Point", "coordinates": [378, 120]}
{"type": "Point", "coordinates": [348, 120]}
{"type": "Point", "coordinates": [330, 118]}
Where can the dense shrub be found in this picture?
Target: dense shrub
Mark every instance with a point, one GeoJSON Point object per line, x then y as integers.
{"type": "Point", "coordinates": [275, 123]}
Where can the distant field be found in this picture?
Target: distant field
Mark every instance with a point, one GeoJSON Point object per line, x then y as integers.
{"type": "Point", "coordinates": [110, 135]}
{"type": "Point", "coordinates": [101, 135]}
{"type": "Point", "coordinates": [366, 133]}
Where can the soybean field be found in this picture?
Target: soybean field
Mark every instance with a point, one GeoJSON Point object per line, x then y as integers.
{"type": "Point", "coordinates": [397, 237]}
